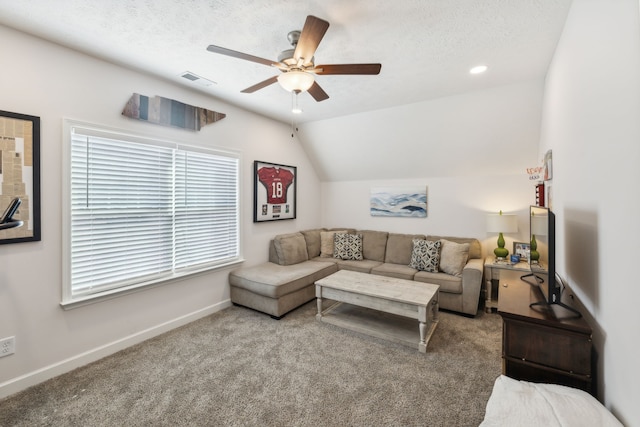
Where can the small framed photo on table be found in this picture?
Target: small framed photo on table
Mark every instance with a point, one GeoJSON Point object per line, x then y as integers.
{"type": "Point", "coordinates": [522, 249]}
{"type": "Point", "coordinates": [274, 194]}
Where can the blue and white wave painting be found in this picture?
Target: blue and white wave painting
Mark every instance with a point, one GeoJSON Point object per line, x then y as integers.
{"type": "Point", "coordinates": [404, 202]}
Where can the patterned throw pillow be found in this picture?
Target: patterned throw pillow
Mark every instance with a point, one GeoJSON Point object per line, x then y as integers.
{"type": "Point", "coordinates": [347, 246]}
{"type": "Point", "coordinates": [425, 255]}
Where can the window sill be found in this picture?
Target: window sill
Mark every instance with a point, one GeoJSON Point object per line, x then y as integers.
{"type": "Point", "coordinates": [81, 301]}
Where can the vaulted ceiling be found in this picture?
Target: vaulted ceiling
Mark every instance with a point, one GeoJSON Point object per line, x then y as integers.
{"type": "Point", "coordinates": [426, 48]}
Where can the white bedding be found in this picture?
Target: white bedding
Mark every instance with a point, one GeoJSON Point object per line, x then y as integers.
{"type": "Point", "coordinates": [521, 403]}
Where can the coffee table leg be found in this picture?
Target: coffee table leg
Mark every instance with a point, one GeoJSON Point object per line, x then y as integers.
{"type": "Point", "coordinates": [319, 301]}
{"type": "Point", "coordinates": [422, 347]}
{"type": "Point", "coordinates": [422, 318]}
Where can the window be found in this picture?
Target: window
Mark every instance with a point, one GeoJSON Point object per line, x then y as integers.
{"type": "Point", "coordinates": [140, 211]}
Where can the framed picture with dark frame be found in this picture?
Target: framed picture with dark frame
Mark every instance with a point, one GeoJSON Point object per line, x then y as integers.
{"type": "Point", "coordinates": [522, 249]}
{"type": "Point", "coordinates": [274, 191]}
{"type": "Point", "coordinates": [20, 171]}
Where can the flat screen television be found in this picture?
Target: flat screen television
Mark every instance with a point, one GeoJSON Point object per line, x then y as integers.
{"type": "Point", "coordinates": [542, 256]}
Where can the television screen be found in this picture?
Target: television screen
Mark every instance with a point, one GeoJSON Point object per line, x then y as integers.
{"type": "Point", "coordinates": [542, 259]}
{"type": "Point", "coordinates": [543, 251]}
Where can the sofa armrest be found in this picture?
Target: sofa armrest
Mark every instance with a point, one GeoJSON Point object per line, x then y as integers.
{"type": "Point", "coordinates": [471, 285]}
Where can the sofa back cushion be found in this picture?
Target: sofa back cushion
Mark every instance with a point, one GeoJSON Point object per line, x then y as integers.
{"type": "Point", "coordinates": [400, 247]}
{"type": "Point", "coordinates": [374, 244]}
{"type": "Point", "coordinates": [312, 237]}
{"type": "Point", "coordinates": [290, 248]}
{"type": "Point", "coordinates": [475, 251]}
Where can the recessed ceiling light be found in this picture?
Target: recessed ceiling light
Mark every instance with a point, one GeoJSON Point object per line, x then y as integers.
{"type": "Point", "coordinates": [478, 69]}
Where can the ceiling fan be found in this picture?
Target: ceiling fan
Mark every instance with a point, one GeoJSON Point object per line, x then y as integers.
{"type": "Point", "coordinates": [297, 64]}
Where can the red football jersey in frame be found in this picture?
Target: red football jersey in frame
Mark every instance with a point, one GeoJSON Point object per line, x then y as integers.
{"type": "Point", "coordinates": [277, 182]}
{"type": "Point", "coordinates": [274, 191]}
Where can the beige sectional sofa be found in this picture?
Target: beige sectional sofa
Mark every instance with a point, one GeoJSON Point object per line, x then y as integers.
{"type": "Point", "coordinates": [299, 259]}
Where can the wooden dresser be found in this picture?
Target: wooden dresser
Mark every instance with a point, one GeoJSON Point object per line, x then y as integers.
{"type": "Point", "coordinates": [545, 344]}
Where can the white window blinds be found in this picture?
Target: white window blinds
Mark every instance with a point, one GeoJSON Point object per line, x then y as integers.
{"type": "Point", "coordinates": [144, 211]}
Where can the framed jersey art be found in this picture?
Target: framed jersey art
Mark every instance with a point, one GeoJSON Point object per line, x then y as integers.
{"type": "Point", "coordinates": [274, 195]}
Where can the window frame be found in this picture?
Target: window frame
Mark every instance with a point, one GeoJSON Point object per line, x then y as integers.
{"type": "Point", "coordinates": [68, 299]}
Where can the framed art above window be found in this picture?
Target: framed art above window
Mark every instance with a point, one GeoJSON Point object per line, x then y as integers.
{"type": "Point", "coordinates": [274, 194]}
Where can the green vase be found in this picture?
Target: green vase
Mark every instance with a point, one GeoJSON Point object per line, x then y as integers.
{"type": "Point", "coordinates": [501, 251]}
{"type": "Point", "coordinates": [534, 255]}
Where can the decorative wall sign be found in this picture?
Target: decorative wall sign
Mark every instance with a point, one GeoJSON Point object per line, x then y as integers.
{"type": "Point", "coordinates": [274, 195]}
{"type": "Point", "coordinates": [20, 174]}
{"type": "Point", "coordinates": [168, 112]}
{"type": "Point", "coordinates": [399, 201]}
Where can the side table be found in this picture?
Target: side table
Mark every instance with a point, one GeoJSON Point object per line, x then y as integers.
{"type": "Point", "coordinates": [492, 269]}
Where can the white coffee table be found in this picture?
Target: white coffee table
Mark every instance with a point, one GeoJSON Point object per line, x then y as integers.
{"type": "Point", "coordinates": [384, 307]}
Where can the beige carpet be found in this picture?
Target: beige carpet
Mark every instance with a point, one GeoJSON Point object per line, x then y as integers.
{"type": "Point", "coordinates": [242, 368]}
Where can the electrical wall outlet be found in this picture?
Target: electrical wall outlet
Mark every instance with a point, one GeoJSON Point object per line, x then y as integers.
{"type": "Point", "coordinates": [7, 346]}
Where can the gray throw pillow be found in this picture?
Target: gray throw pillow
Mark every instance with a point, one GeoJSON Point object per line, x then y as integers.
{"type": "Point", "coordinates": [453, 257]}
{"type": "Point", "coordinates": [425, 255]}
{"type": "Point", "coordinates": [326, 243]}
{"type": "Point", "coordinates": [347, 246]}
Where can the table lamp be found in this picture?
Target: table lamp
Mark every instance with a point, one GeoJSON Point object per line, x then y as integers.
{"type": "Point", "coordinates": [501, 223]}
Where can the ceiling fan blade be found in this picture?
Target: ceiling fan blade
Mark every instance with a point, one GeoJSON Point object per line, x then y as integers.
{"type": "Point", "coordinates": [240, 55]}
{"type": "Point", "coordinates": [258, 86]}
{"type": "Point", "coordinates": [310, 37]}
{"type": "Point", "coordinates": [316, 91]}
{"type": "Point", "coordinates": [349, 69]}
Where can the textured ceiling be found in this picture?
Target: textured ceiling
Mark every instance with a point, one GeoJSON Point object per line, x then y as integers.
{"type": "Point", "coordinates": [426, 47]}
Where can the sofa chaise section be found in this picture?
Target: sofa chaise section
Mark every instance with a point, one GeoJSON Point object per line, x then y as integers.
{"type": "Point", "coordinates": [282, 284]}
{"type": "Point", "coordinates": [277, 289]}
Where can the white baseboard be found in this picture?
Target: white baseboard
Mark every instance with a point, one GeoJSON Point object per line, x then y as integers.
{"type": "Point", "coordinates": [32, 378]}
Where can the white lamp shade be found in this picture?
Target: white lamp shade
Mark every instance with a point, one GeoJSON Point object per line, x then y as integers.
{"type": "Point", "coordinates": [501, 223]}
{"type": "Point", "coordinates": [296, 80]}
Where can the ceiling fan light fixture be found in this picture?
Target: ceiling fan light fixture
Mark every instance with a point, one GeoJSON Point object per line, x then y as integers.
{"type": "Point", "coordinates": [296, 81]}
{"type": "Point", "coordinates": [479, 69]}
{"type": "Point", "coordinates": [295, 108]}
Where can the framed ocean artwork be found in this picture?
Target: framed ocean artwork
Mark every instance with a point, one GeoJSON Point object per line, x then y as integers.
{"type": "Point", "coordinates": [409, 202]}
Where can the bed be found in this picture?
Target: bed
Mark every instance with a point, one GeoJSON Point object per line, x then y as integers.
{"type": "Point", "coordinates": [522, 403]}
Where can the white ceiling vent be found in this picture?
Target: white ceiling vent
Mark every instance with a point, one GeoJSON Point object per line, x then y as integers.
{"type": "Point", "coordinates": [197, 79]}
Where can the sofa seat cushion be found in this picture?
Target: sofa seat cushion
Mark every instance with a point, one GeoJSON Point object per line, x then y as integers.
{"type": "Point", "coordinates": [273, 280]}
{"type": "Point", "coordinates": [394, 270]}
{"type": "Point", "coordinates": [447, 282]}
{"type": "Point", "coordinates": [363, 266]}
{"type": "Point", "coordinates": [323, 259]}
